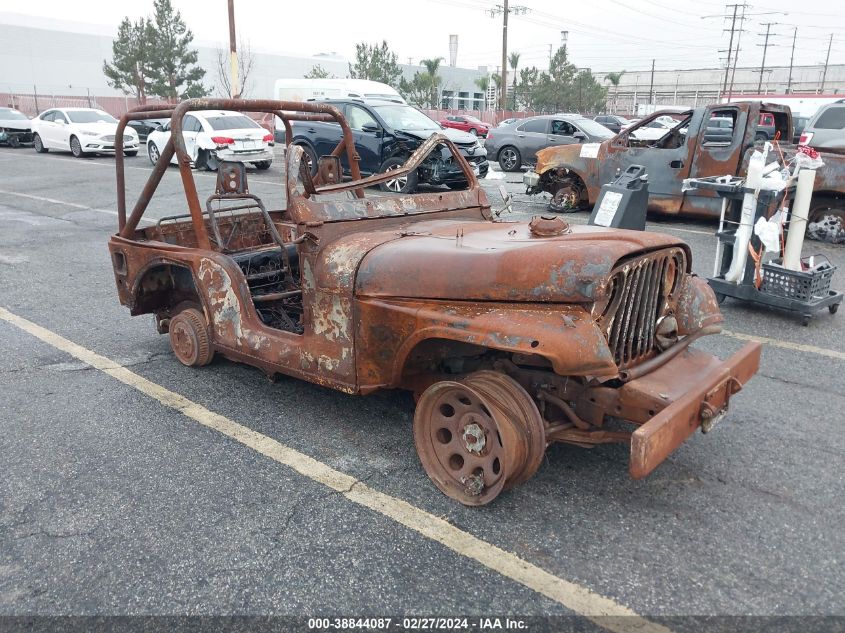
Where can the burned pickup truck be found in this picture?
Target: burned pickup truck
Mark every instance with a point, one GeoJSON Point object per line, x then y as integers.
{"type": "Point", "coordinates": [716, 140]}
{"type": "Point", "coordinates": [510, 335]}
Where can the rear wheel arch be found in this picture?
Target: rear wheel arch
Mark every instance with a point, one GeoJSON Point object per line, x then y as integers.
{"type": "Point", "coordinates": [162, 286]}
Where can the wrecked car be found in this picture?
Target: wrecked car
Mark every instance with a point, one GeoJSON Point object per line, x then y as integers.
{"type": "Point", "coordinates": [716, 140]}
{"type": "Point", "coordinates": [550, 333]}
{"type": "Point", "coordinates": [15, 128]}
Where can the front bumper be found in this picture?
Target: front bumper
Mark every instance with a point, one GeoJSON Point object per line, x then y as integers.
{"type": "Point", "coordinates": [102, 146]}
{"type": "Point", "coordinates": [530, 179]}
{"type": "Point", "coordinates": [690, 391]}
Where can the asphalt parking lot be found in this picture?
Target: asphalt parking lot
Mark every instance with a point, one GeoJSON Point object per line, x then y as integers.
{"type": "Point", "coordinates": [116, 502]}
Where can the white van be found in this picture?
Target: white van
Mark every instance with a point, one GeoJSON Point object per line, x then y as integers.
{"type": "Point", "coordinates": [319, 89]}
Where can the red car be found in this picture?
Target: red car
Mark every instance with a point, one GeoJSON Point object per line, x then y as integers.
{"type": "Point", "coordinates": [467, 124]}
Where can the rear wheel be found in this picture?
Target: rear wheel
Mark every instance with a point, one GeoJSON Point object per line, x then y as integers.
{"type": "Point", "coordinates": [76, 147]}
{"type": "Point", "coordinates": [473, 131]}
{"type": "Point", "coordinates": [310, 158]}
{"type": "Point", "coordinates": [39, 145]}
{"type": "Point", "coordinates": [510, 159]}
{"type": "Point", "coordinates": [827, 223]}
{"type": "Point", "coordinates": [189, 338]}
{"type": "Point", "coordinates": [263, 164]}
{"type": "Point", "coordinates": [760, 137]}
{"type": "Point", "coordinates": [131, 152]}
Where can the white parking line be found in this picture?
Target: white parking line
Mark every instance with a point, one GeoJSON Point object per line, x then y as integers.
{"type": "Point", "coordinates": [64, 203]}
{"type": "Point", "coordinates": [88, 163]}
{"type": "Point", "coordinates": [603, 611]}
{"type": "Point", "coordinates": [796, 347]}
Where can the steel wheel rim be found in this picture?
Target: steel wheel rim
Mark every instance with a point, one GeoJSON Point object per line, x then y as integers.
{"type": "Point", "coordinates": [396, 184]}
{"type": "Point", "coordinates": [461, 442]}
{"type": "Point", "coordinates": [184, 341]}
{"type": "Point", "coordinates": [509, 397]}
{"type": "Point", "coordinates": [510, 158]}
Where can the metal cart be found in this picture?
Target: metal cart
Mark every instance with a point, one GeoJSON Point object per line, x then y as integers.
{"type": "Point", "coordinates": [802, 293]}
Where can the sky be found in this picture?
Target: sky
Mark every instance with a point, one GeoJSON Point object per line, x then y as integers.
{"type": "Point", "coordinates": [604, 35]}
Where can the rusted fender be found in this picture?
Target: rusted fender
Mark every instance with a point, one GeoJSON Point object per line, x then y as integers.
{"type": "Point", "coordinates": [483, 261]}
{"type": "Point", "coordinates": [697, 306]}
{"type": "Point", "coordinates": [390, 329]}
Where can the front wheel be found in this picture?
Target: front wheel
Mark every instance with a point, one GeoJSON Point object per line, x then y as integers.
{"type": "Point", "coordinates": [403, 184]}
{"type": "Point", "coordinates": [38, 144]}
{"type": "Point", "coordinates": [14, 141]}
{"type": "Point", "coordinates": [760, 137]}
{"type": "Point", "coordinates": [76, 147]}
{"type": "Point", "coordinates": [132, 152]}
{"type": "Point", "coordinates": [510, 159]}
{"type": "Point", "coordinates": [152, 152]}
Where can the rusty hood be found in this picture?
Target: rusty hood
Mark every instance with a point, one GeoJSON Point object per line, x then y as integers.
{"type": "Point", "coordinates": [501, 261]}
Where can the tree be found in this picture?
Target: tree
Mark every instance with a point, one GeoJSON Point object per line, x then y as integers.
{"type": "Point", "coordinates": [431, 77]}
{"type": "Point", "coordinates": [483, 84]}
{"type": "Point", "coordinates": [129, 70]}
{"type": "Point", "coordinates": [377, 63]}
{"type": "Point", "coordinates": [246, 60]}
{"type": "Point", "coordinates": [172, 61]}
{"type": "Point", "coordinates": [318, 72]}
{"type": "Point", "coordinates": [497, 80]}
{"type": "Point", "coordinates": [513, 60]}
{"type": "Point", "coordinates": [614, 78]}
{"type": "Point", "coordinates": [418, 90]}
{"type": "Point", "coordinates": [562, 88]}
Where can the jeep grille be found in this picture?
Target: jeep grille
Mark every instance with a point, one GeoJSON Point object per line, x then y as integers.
{"type": "Point", "coordinates": [639, 293]}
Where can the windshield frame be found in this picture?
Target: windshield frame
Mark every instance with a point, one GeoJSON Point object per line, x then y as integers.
{"type": "Point", "coordinates": [600, 131]}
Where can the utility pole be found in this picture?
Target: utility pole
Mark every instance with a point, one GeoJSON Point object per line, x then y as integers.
{"type": "Point", "coordinates": [826, 62]}
{"type": "Point", "coordinates": [765, 46]}
{"type": "Point", "coordinates": [651, 87]}
{"type": "Point", "coordinates": [730, 47]}
{"type": "Point", "coordinates": [505, 10]}
{"type": "Point", "coordinates": [791, 59]}
{"type": "Point", "coordinates": [235, 88]}
{"type": "Point", "coordinates": [738, 48]}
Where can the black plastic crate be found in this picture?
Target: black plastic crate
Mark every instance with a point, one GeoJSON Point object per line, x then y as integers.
{"type": "Point", "coordinates": [793, 284]}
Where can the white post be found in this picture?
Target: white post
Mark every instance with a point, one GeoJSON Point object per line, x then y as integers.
{"type": "Point", "coordinates": [798, 219]}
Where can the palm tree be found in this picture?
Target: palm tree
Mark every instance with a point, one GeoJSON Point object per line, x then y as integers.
{"type": "Point", "coordinates": [614, 79]}
{"type": "Point", "coordinates": [431, 67]}
{"type": "Point", "coordinates": [483, 84]}
{"type": "Point", "coordinates": [513, 60]}
{"type": "Point", "coordinates": [497, 79]}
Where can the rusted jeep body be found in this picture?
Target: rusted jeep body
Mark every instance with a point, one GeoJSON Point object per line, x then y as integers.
{"type": "Point", "coordinates": [574, 174]}
{"type": "Point", "coordinates": [511, 335]}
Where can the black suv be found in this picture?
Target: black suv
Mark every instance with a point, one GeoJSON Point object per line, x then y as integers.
{"type": "Point", "coordinates": [386, 134]}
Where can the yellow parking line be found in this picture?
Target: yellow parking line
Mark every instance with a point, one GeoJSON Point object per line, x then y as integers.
{"type": "Point", "coordinates": [796, 347]}
{"type": "Point", "coordinates": [603, 611]}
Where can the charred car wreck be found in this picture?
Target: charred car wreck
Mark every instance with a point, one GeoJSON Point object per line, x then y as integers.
{"type": "Point", "coordinates": [550, 333]}
{"type": "Point", "coordinates": [716, 140]}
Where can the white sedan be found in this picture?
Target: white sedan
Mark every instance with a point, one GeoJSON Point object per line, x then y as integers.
{"type": "Point", "coordinates": [80, 131]}
{"type": "Point", "coordinates": [215, 135]}
{"type": "Point", "coordinates": [655, 130]}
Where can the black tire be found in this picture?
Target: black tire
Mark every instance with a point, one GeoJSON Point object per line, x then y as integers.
{"type": "Point", "coordinates": [76, 147]}
{"type": "Point", "coordinates": [407, 184]}
{"type": "Point", "coordinates": [14, 141]}
{"type": "Point", "coordinates": [720, 298]}
{"type": "Point", "coordinates": [131, 153]}
{"type": "Point", "coordinates": [833, 309]}
{"type": "Point", "coordinates": [761, 136]}
{"type": "Point", "coordinates": [152, 152]}
{"type": "Point", "coordinates": [310, 157]}
{"type": "Point", "coordinates": [510, 158]}
{"type": "Point", "coordinates": [39, 145]}
{"type": "Point", "coordinates": [473, 131]}
{"type": "Point", "coordinates": [263, 164]}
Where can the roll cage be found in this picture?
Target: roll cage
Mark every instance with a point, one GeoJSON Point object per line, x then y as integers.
{"type": "Point", "coordinates": [300, 186]}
